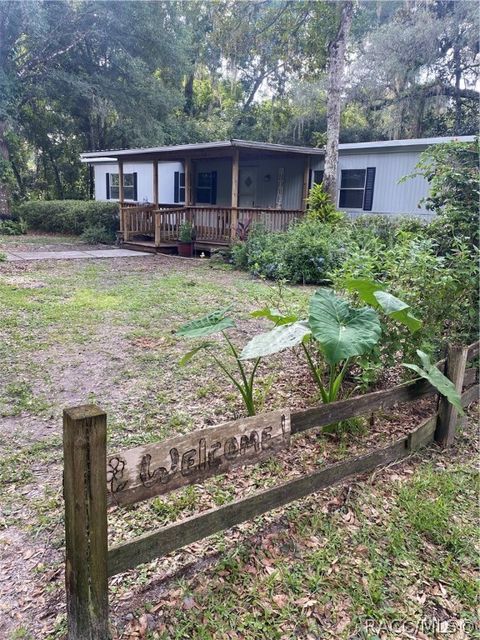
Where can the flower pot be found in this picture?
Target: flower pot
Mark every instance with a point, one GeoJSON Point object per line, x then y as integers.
{"type": "Point", "coordinates": [185, 249]}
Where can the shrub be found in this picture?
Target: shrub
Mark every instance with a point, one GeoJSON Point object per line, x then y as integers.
{"type": "Point", "coordinates": [442, 290]}
{"type": "Point", "coordinates": [321, 207]}
{"type": "Point", "coordinates": [70, 216]}
{"type": "Point", "coordinates": [453, 174]}
{"type": "Point", "coordinates": [385, 228]}
{"type": "Point", "coordinates": [13, 227]}
{"type": "Point", "coordinates": [304, 254]}
{"type": "Point", "coordinates": [96, 235]}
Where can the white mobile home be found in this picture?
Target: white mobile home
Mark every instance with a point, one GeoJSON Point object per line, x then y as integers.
{"type": "Point", "coordinates": [223, 186]}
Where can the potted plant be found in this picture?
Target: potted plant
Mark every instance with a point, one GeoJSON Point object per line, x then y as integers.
{"type": "Point", "coordinates": [186, 238]}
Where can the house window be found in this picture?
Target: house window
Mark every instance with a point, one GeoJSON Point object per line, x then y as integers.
{"type": "Point", "coordinates": [318, 176]}
{"type": "Point", "coordinates": [356, 188]}
{"type": "Point", "coordinates": [206, 187]}
{"type": "Point", "coordinates": [352, 188]}
{"type": "Point", "coordinates": [129, 186]}
{"type": "Point", "coordinates": [179, 187]}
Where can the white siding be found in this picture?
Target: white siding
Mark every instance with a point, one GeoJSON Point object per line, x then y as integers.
{"type": "Point", "coordinates": [389, 196]}
{"type": "Point", "coordinates": [144, 170]}
{"type": "Point", "coordinates": [166, 181]}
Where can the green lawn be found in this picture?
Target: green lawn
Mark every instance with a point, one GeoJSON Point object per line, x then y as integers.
{"type": "Point", "coordinates": [398, 545]}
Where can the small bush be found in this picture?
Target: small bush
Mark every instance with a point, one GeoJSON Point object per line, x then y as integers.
{"type": "Point", "coordinates": [13, 227]}
{"type": "Point", "coordinates": [96, 235]}
{"type": "Point", "coordinates": [70, 216]}
{"type": "Point", "coordinates": [321, 207]}
{"type": "Point", "coordinates": [304, 254]}
{"type": "Point", "coordinates": [452, 172]}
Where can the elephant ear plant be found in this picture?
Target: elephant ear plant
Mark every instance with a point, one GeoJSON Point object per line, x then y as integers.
{"type": "Point", "coordinates": [373, 293]}
{"type": "Point", "coordinates": [339, 331]}
{"type": "Point", "coordinates": [219, 322]}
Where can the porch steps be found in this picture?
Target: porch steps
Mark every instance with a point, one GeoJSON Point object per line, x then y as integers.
{"type": "Point", "coordinates": [139, 245]}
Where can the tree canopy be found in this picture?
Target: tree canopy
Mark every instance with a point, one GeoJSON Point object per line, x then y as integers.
{"type": "Point", "coordinates": [87, 75]}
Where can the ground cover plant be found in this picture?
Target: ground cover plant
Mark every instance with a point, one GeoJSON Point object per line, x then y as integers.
{"type": "Point", "coordinates": [102, 332]}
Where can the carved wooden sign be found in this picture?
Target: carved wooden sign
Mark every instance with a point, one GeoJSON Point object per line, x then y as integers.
{"type": "Point", "coordinates": [154, 469]}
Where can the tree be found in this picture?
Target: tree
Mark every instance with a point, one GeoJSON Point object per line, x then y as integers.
{"type": "Point", "coordinates": [336, 65]}
{"type": "Point", "coordinates": [416, 74]}
{"type": "Point", "coordinates": [110, 76]}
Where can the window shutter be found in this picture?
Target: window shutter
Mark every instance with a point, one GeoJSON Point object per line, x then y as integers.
{"type": "Point", "coordinates": [369, 186]}
{"type": "Point", "coordinates": [135, 191]}
{"type": "Point", "coordinates": [176, 186]}
{"type": "Point", "coordinates": [214, 188]}
{"type": "Point", "coordinates": [107, 176]}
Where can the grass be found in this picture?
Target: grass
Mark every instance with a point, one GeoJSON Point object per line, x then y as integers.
{"type": "Point", "coordinates": [402, 546]}
{"type": "Point", "coordinates": [39, 239]}
{"type": "Point", "coordinates": [340, 574]}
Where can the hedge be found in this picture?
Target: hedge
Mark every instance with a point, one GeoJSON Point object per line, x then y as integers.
{"type": "Point", "coordinates": [70, 216]}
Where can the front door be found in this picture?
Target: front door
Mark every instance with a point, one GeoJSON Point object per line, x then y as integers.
{"type": "Point", "coordinates": [247, 186]}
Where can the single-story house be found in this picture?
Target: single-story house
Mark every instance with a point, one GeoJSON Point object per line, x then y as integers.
{"type": "Point", "coordinates": [223, 187]}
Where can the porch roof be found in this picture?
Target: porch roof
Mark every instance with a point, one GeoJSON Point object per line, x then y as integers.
{"type": "Point", "coordinates": [173, 152]}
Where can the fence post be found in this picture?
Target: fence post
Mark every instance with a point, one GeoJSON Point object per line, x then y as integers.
{"type": "Point", "coordinates": [85, 494]}
{"type": "Point", "coordinates": [447, 414]}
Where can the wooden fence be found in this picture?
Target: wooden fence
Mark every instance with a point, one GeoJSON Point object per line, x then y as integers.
{"type": "Point", "coordinates": [93, 480]}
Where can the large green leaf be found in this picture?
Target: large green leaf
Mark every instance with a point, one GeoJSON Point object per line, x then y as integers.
{"type": "Point", "coordinates": [398, 310]}
{"type": "Point", "coordinates": [274, 316]}
{"type": "Point", "coordinates": [365, 288]}
{"type": "Point", "coordinates": [374, 294]}
{"type": "Point", "coordinates": [437, 379]}
{"type": "Point", "coordinates": [206, 326]}
{"type": "Point", "coordinates": [278, 339]}
{"type": "Point", "coordinates": [341, 330]}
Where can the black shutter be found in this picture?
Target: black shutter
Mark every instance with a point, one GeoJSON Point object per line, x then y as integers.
{"type": "Point", "coordinates": [369, 186]}
{"type": "Point", "coordinates": [135, 191]}
{"type": "Point", "coordinates": [214, 188]}
{"type": "Point", "coordinates": [107, 176]}
{"type": "Point", "coordinates": [176, 187]}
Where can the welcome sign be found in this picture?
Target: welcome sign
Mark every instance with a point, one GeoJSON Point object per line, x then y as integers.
{"type": "Point", "coordinates": [151, 470]}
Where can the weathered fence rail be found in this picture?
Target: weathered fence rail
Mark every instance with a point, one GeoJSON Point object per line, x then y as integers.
{"type": "Point", "coordinates": [92, 480]}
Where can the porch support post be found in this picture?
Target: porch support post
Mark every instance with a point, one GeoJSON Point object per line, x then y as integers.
{"type": "Point", "coordinates": [187, 166]}
{"type": "Point", "coordinates": [155, 183]}
{"type": "Point", "coordinates": [306, 180]}
{"type": "Point", "coordinates": [235, 173]}
{"type": "Point", "coordinates": [123, 214]}
{"type": "Point", "coordinates": [120, 182]}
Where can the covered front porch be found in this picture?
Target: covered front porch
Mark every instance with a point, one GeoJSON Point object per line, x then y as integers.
{"type": "Point", "coordinates": [221, 188]}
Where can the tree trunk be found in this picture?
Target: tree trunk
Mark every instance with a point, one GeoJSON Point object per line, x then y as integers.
{"type": "Point", "coordinates": [58, 181]}
{"type": "Point", "coordinates": [336, 66]}
{"type": "Point", "coordinates": [188, 93]}
{"type": "Point", "coordinates": [458, 101]}
{"type": "Point", "coordinates": [4, 162]}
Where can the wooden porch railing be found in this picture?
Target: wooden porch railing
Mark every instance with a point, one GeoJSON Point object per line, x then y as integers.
{"type": "Point", "coordinates": [212, 224]}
